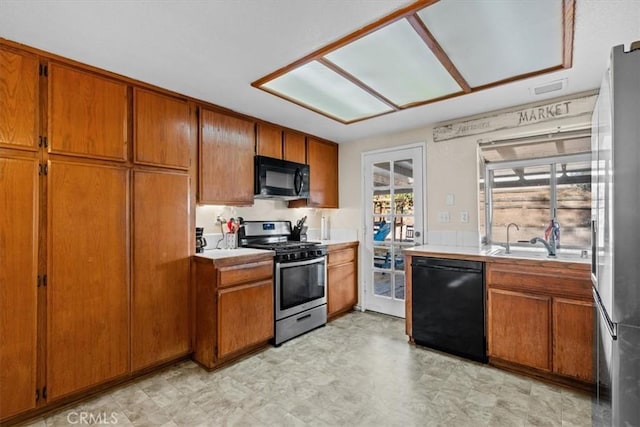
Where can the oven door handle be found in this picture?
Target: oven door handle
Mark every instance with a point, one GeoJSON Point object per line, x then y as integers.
{"type": "Point", "coordinates": [299, 263]}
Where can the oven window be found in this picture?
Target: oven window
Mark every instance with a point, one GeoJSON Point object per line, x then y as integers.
{"type": "Point", "coordinates": [301, 284]}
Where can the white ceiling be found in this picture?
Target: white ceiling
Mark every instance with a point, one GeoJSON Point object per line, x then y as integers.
{"type": "Point", "coordinates": [214, 49]}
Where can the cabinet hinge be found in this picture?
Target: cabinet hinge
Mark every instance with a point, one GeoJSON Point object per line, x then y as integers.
{"type": "Point", "coordinates": [44, 392]}
{"type": "Point", "coordinates": [44, 169]}
{"type": "Point", "coordinates": [44, 70]}
{"type": "Point", "coordinates": [37, 395]}
{"type": "Point", "coordinates": [43, 142]}
{"type": "Point", "coordinates": [44, 280]}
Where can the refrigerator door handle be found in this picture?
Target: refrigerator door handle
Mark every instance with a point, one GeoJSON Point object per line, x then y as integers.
{"type": "Point", "coordinates": [611, 326]}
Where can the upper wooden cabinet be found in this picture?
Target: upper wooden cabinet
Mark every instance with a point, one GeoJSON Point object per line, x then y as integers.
{"type": "Point", "coordinates": [160, 295]}
{"type": "Point", "coordinates": [18, 289]}
{"type": "Point", "coordinates": [87, 114]}
{"type": "Point", "coordinates": [162, 130]}
{"type": "Point", "coordinates": [294, 147]}
{"type": "Point", "coordinates": [18, 99]}
{"type": "Point", "coordinates": [268, 140]}
{"type": "Point", "coordinates": [226, 159]}
{"type": "Point", "coordinates": [322, 158]}
{"type": "Point", "coordinates": [88, 276]}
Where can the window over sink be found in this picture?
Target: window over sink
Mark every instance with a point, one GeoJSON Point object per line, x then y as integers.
{"type": "Point", "coordinates": [529, 181]}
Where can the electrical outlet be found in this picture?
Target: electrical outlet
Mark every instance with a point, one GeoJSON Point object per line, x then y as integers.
{"type": "Point", "coordinates": [464, 216]}
{"type": "Point", "coordinates": [220, 219]}
{"type": "Point", "coordinates": [443, 216]}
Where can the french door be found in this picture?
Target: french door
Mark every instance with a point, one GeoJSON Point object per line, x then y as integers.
{"type": "Point", "coordinates": [393, 198]}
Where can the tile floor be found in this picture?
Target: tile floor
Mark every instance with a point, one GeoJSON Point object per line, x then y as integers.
{"type": "Point", "coordinates": [356, 371]}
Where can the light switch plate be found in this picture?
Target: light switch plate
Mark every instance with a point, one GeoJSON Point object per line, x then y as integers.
{"type": "Point", "coordinates": [443, 216]}
{"type": "Point", "coordinates": [464, 216]}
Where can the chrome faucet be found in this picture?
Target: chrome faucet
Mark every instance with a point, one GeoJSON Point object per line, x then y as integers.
{"type": "Point", "coordinates": [508, 248]}
{"type": "Point", "coordinates": [551, 245]}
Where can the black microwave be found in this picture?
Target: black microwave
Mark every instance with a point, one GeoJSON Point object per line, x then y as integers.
{"type": "Point", "coordinates": [280, 179]}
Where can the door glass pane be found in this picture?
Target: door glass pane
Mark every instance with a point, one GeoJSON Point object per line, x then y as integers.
{"type": "Point", "coordinates": [381, 229]}
{"type": "Point", "coordinates": [381, 174]}
{"type": "Point", "coordinates": [382, 202]}
{"type": "Point", "coordinates": [382, 283]}
{"type": "Point", "coordinates": [398, 289]}
{"type": "Point", "coordinates": [382, 257]}
{"type": "Point", "coordinates": [403, 173]}
{"type": "Point", "coordinates": [403, 202]}
{"type": "Point", "coordinates": [398, 256]}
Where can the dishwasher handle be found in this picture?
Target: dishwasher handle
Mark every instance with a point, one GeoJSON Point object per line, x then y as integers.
{"type": "Point", "coordinates": [443, 268]}
{"type": "Point", "coordinates": [448, 264]}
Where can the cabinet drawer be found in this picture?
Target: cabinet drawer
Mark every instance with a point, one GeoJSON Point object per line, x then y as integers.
{"type": "Point", "coordinates": [341, 256]}
{"type": "Point", "coordinates": [243, 273]}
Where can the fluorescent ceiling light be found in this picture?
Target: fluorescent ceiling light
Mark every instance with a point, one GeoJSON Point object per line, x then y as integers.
{"type": "Point", "coordinates": [426, 52]}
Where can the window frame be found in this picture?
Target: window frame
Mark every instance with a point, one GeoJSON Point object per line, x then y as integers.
{"type": "Point", "coordinates": [552, 161]}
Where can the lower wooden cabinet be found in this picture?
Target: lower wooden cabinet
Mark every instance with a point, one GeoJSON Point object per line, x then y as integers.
{"type": "Point", "coordinates": [520, 328]}
{"type": "Point", "coordinates": [573, 338]}
{"type": "Point", "coordinates": [342, 278]}
{"type": "Point", "coordinates": [234, 311]}
{"type": "Point", "coordinates": [540, 318]}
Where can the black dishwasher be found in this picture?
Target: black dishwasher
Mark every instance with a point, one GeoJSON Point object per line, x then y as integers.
{"type": "Point", "coordinates": [448, 306]}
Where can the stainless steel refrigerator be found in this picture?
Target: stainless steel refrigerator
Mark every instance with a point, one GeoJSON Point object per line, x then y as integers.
{"type": "Point", "coordinates": [616, 240]}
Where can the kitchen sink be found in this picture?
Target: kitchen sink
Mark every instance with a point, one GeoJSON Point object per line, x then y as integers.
{"type": "Point", "coordinates": [562, 255]}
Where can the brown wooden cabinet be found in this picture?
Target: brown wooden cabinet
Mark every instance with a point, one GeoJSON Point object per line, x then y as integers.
{"type": "Point", "coordinates": [540, 317]}
{"type": "Point", "coordinates": [162, 129]}
{"type": "Point", "coordinates": [322, 158]}
{"type": "Point", "coordinates": [342, 278]}
{"type": "Point", "coordinates": [19, 98]}
{"type": "Point", "coordinates": [294, 146]}
{"type": "Point", "coordinates": [160, 302]}
{"type": "Point", "coordinates": [520, 328]}
{"type": "Point", "coordinates": [88, 114]}
{"type": "Point", "coordinates": [88, 276]}
{"type": "Point", "coordinates": [226, 159]}
{"type": "Point", "coordinates": [573, 338]}
{"type": "Point", "coordinates": [269, 140]}
{"type": "Point", "coordinates": [233, 307]}
{"type": "Point", "coordinates": [18, 283]}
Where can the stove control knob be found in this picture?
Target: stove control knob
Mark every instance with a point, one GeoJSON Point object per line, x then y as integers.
{"type": "Point", "coordinates": [319, 252]}
{"type": "Point", "coordinates": [303, 254]}
{"type": "Point", "coordinates": [284, 257]}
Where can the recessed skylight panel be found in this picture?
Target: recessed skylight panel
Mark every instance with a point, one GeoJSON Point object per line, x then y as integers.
{"type": "Point", "coordinates": [395, 62]}
{"type": "Point", "coordinates": [489, 41]}
{"type": "Point", "coordinates": [324, 90]}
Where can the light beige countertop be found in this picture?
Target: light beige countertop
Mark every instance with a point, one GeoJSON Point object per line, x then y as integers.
{"type": "Point", "coordinates": [230, 253]}
{"type": "Point", "coordinates": [496, 253]}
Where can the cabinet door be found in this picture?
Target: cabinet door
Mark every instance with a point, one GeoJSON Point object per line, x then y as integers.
{"type": "Point", "coordinates": [226, 159]}
{"type": "Point", "coordinates": [88, 286]}
{"type": "Point", "coordinates": [160, 303]}
{"type": "Point", "coordinates": [162, 130]}
{"type": "Point", "coordinates": [18, 290]}
{"type": "Point", "coordinates": [269, 140]}
{"type": "Point", "coordinates": [573, 338]}
{"type": "Point", "coordinates": [245, 316]}
{"type": "Point", "coordinates": [341, 288]}
{"type": "Point", "coordinates": [294, 147]}
{"type": "Point", "coordinates": [87, 114]}
{"type": "Point", "coordinates": [519, 328]}
{"type": "Point", "coordinates": [322, 158]}
{"type": "Point", "coordinates": [18, 99]}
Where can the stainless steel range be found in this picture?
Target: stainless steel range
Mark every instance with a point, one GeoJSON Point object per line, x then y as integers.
{"type": "Point", "coordinates": [300, 277]}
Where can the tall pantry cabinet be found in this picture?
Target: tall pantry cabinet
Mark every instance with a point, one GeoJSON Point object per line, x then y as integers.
{"type": "Point", "coordinates": [94, 232]}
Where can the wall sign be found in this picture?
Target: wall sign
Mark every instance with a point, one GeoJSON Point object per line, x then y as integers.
{"type": "Point", "coordinates": [514, 119]}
